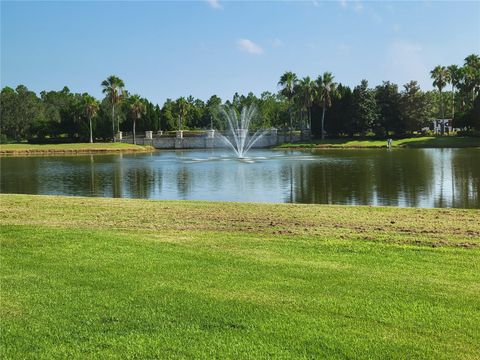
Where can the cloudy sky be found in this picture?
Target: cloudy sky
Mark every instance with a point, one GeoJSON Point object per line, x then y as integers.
{"type": "Point", "coordinates": [169, 49]}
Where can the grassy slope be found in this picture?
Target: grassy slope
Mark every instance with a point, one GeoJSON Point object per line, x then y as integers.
{"type": "Point", "coordinates": [102, 277]}
{"type": "Point", "coordinates": [22, 149]}
{"type": "Point", "coordinates": [419, 142]}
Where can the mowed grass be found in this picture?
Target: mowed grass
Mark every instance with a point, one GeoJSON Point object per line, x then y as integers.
{"type": "Point", "coordinates": [26, 149]}
{"type": "Point", "coordinates": [114, 278]}
{"type": "Point", "coordinates": [416, 142]}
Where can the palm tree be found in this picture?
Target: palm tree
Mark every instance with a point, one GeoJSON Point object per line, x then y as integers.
{"type": "Point", "coordinates": [288, 82]}
{"type": "Point", "coordinates": [138, 108]}
{"type": "Point", "coordinates": [440, 78]}
{"type": "Point", "coordinates": [113, 88]}
{"type": "Point", "coordinates": [306, 93]}
{"type": "Point", "coordinates": [454, 77]}
{"type": "Point", "coordinates": [471, 71]}
{"type": "Point", "coordinates": [327, 89]}
{"type": "Point", "coordinates": [90, 108]}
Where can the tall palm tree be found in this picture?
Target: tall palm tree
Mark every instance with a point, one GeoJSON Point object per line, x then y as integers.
{"type": "Point", "coordinates": [471, 71]}
{"type": "Point", "coordinates": [306, 93]}
{"type": "Point", "coordinates": [454, 78]}
{"type": "Point", "coordinates": [90, 108]}
{"type": "Point", "coordinates": [440, 78]}
{"type": "Point", "coordinates": [113, 88]}
{"type": "Point", "coordinates": [326, 90]}
{"type": "Point", "coordinates": [138, 108]}
{"type": "Point", "coordinates": [288, 82]}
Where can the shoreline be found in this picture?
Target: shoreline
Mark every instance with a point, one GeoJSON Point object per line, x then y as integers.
{"type": "Point", "coordinates": [71, 149]}
{"type": "Point", "coordinates": [427, 142]}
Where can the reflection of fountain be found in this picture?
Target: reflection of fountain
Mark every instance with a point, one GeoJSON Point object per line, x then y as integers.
{"type": "Point", "coordinates": [239, 140]}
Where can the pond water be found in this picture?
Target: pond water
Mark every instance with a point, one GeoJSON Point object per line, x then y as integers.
{"type": "Point", "coordinates": [400, 177]}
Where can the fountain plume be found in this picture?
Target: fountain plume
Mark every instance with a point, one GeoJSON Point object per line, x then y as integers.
{"type": "Point", "coordinates": [240, 140]}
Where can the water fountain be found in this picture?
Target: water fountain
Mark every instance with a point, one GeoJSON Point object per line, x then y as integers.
{"type": "Point", "coordinates": [240, 141]}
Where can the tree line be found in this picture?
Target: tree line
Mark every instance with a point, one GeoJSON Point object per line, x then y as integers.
{"type": "Point", "coordinates": [320, 105]}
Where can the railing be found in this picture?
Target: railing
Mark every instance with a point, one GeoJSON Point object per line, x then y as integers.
{"type": "Point", "coordinates": [196, 133]}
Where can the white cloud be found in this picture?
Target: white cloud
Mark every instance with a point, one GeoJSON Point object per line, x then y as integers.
{"type": "Point", "coordinates": [343, 3]}
{"type": "Point", "coordinates": [249, 46]}
{"type": "Point", "coordinates": [214, 4]}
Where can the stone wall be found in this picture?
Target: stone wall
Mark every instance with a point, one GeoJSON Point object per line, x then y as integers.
{"type": "Point", "coordinates": [270, 139]}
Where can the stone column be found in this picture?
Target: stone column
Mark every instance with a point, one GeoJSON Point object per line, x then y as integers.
{"type": "Point", "coordinates": [210, 134]}
{"type": "Point", "coordinates": [210, 139]}
{"type": "Point", "coordinates": [148, 135]}
{"type": "Point", "coordinates": [179, 134]}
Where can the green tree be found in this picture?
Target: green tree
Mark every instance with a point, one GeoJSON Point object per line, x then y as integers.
{"type": "Point", "coordinates": [441, 77]}
{"type": "Point", "coordinates": [455, 76]}
{"type": "Point", "coordinates": [415, 107]}
{"type": "Point", "coordinates": [22, 112]}
{"type": "Point", "coordinates": [113, 88]}
{"type": "Point", "coordinates": [288, 82]}
{"type": "Point", "coordinates": [306, 91]}
{"type": "Point", "coordinates": [182, 111]}
{"type": "Point", "coordinates": [365, 109]}
{"type": "Point", "coordinates": [340, 121]}
{"type": "Point", "coordinates": [211, 112]}
{"type": "Point", "coordinates": [137, 108]}
{"type": "Point", "coordinates": [388, 101]}
{"type": "Point", "coordinates": [471, 72]}
{"type": "Point", "coordinates": [91, 107]}
{"type": "Point", "coordinates": [326, 90]}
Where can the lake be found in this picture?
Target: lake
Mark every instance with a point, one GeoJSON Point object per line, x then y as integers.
{"type": "Point", "coordinates": [400, 177]}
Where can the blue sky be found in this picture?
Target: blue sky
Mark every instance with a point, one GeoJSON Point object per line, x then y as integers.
{"type": "Point", "coordinates": [170, 49]}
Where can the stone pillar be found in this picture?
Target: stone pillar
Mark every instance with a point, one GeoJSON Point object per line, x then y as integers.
{"type": "Point", "coordinates": [148, 135]}
{"type": "Point", "coordinates": [210, 134]}
{"type": "Point", "coordinates": [159, 133]}
{"type": "Point", "coordinates": [179, 134]}
{"type": "Point", "coordinates": [210, 139]}
{"type": "Point", "coordinates": [119, 136]}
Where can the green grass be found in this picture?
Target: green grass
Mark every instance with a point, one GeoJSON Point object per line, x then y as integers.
{"type": "Point", "coordinates": [26, 149]}
{"type": "Point", "coordinates": [103, 278]}
{"type": "Point", "coordinates": [417, 142]}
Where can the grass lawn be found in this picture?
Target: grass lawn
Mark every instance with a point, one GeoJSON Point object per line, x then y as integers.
{"type": "Point", "coordinates": [103, 278]}
{"type": "Point", "coordinates": [74, 148]}
{"type": "Point", "coordinates": [417, 142]}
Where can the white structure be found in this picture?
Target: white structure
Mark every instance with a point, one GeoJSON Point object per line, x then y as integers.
{"type": "Point", "coordinates": [210, 134]}
{"type": "Point", "coordinates": [440, 126]}
{"type": "Point", "coordinates": [148, 135]}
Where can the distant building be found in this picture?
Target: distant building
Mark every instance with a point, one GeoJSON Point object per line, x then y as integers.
{"type": "Point", "coordinates": [440, 126]}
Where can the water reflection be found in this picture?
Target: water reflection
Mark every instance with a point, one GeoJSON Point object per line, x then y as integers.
{"type": "Point", "coordinates": [414, 178]}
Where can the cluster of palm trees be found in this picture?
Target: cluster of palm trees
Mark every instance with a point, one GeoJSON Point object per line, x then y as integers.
{"type": "Point", "coordinates": [114, 88]}
{"type": "Point", "coordinates": [466, 79]}
{"type": "Point", "coordinates": [302, 94]}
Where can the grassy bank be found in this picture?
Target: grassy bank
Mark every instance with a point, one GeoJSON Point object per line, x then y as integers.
{"type": "Point", "coordinates": [418, 142]}
{"type": "Point", "coordinates": [74, 148]}
{"type": "Point", "coordinates": [85, 278]}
